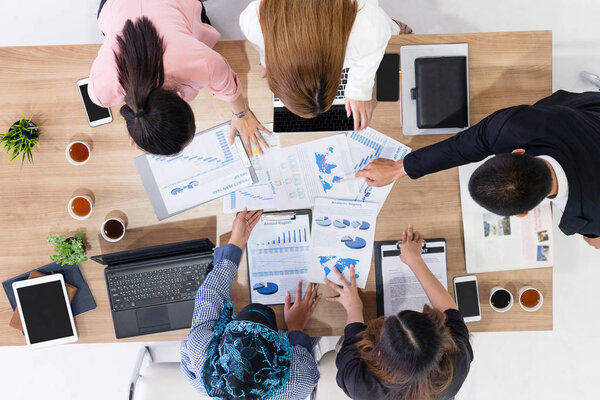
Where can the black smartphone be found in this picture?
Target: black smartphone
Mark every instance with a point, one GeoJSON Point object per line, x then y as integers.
{"type": "Point", "coordinates": [95, 114]}
{"type": "Point", "coordinates": [388, 78]}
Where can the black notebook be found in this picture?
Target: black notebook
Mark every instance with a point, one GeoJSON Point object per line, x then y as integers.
{"type": "Point", "coordinates": [441, 92]}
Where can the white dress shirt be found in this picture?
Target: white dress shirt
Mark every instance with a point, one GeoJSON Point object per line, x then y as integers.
{"type": "Point", "coordinates": [368, 40]}
{"type": "Point", "coordinates": [560, 200]}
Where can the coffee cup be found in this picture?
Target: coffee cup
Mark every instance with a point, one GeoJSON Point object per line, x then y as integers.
{"type": "Point", "coordinates": [78, 152]}
{"type": "Point", "coordinates": [113, 229]}
{"type": "Point", "coordinates": [80, 207]}
{"type": "Point", "coordinates": [530, 298]}
{"type": "Point", "coordinates": [501, 299]}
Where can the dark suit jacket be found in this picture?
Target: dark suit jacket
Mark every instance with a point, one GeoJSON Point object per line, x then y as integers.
{"type": "Point", "coordinates": [564, 126]}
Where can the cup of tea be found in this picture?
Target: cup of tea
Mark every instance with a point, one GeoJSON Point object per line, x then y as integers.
{"type": "Point", "coordinates": [80, 207]}
{"type": "Point", "coordinates": [530, 298]}
{"type": "Point", "coordinates": [501, 300]}
{"type": "Point", "coordinates": [78, 152]}
{"type": "Point", "coordinates": [113, 229]}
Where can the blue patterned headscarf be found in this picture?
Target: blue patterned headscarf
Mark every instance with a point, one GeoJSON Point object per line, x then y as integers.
{"type": "Point", "coordinates": [245, 360]}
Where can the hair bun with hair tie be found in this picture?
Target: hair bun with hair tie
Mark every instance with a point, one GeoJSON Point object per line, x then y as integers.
{"type": "Point", "coordinates": [140, 112]}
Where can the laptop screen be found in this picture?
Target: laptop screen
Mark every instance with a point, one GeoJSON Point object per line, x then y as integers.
{"type": "Point", "coordinates": [154, 252]}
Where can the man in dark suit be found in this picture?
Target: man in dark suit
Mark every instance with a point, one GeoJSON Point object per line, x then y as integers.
{"type": "Point", "coordinates": [550, 149]}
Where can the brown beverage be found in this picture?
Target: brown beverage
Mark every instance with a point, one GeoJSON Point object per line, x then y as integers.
{"type": "Point", "coordinates": [81, 206]}
{"type": "Point", "coordinates": [79, 152]}
{"type": "Point", "coordinates": [530, 298]}
{"type": "Point", "coordinates": [113, 229]}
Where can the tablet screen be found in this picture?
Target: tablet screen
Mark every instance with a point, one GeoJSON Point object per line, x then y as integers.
{"type": "Point", "coordinates": [45, 312]}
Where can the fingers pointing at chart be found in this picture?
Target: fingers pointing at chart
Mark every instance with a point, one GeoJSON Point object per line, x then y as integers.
{"type": "Point", "coordinates": [347, 295]}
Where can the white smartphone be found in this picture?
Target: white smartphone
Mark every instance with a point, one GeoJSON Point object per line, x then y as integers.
{"type": "Point", "coordinates": [45, 311]}
{"type": "Point", "coordinates": [466, 293]}
{"type": "Point", "coordinates": [95, 114]}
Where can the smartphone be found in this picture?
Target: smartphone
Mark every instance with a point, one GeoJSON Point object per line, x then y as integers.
{"type": "Point", "coordinates": [388, 78]}
{"type": "Point", "coordinates": [466, 293]}
{"type": "Point", "coordinates": [95, 114]}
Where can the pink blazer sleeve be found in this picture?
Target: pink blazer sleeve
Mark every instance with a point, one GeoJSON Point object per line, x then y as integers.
{"type": "Point", "coordinates": [206, 68]}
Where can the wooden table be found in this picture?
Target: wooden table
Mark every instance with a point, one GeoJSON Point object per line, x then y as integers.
{"type": "Point", "coordinates": [40, 82]}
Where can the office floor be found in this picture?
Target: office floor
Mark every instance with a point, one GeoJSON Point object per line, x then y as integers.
{"type": "Point", "coordinates": [551, 365]}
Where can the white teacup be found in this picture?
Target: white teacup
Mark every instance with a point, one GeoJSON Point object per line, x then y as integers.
{"type": "Point", "coordinates": [68, 153]}
{"type": "Point", "coordinates": [70, 206]}
{"type": "Point", "coordinates": [111, 239]}
{"type": "Point", "coordinates": [496, 289]}
{"type": "Point", "coordinates": [532, 308]}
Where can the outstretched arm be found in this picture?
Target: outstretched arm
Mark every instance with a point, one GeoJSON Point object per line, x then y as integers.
{"type": "Point", "coordinates": [211, 296]}
{"type": "Point", "coordinates": [410, 254]}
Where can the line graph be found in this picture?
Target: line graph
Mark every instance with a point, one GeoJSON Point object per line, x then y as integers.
{"type": "Point", "coordinates": [376, 148]}
{"type": "Point", "coordinates": [204, 155]}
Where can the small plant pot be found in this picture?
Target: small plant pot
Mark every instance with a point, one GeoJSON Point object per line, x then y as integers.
{"type": "Point", "coordinates": [31, 125]}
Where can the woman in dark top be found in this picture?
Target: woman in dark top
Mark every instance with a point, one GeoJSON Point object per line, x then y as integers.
{"type": "Point", "coordinates": [410, 355]}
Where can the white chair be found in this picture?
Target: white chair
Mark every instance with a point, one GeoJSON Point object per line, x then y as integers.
{"type": "Point", "coordinates": [160, 380]}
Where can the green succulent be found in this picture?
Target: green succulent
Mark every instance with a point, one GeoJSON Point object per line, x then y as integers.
{"type": "Point", "coordinates": [20, 139]}
{"type": "Point", "coordinates": [69, 250]}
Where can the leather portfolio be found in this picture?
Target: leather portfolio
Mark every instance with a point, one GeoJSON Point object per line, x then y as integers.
{"type": "Point", "coordinates": [441, 92]}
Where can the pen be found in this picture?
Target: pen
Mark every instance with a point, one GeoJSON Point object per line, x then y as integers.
{"type": "Point", "coordinates": [348, 179]}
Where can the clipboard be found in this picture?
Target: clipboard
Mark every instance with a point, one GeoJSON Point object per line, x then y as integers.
{"type": "Point", "coordinates": [281, 239]}
{"type": "Point", "coordinates": [394, 253]}
{"type": "Point", "coordinates": [161, 198]}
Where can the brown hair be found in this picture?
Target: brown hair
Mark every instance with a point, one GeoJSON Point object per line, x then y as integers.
{"type": "Point", "coordinates": [305, 47]}
{"type": "Point", "coordinates": [410, 353]}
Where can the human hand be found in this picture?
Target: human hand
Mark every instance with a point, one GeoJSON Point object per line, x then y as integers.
{"type": "Point", "coordinates": [381, 172]}
{"type": "Point", "coordinates": [249, 128]}
{"type": "Point", "coordinates": [347, 296]}
{"type": "Point", "coordinates": [410, 249]}
{"type": "Point", "coordinates": [296, 316]}
{"type": "Point", "coordinates": [594, 242]}
{"type": "Point", "coordinates": [362, 111]}
{"type": "Point", "coordinates": [243, 224]}
{"type": "Point", "coordinates": [262, 71]}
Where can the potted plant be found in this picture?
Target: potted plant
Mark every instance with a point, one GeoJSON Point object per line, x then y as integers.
{"type": "Point", "coordinates": [20, 139]}
{"type": "Point", "coordinates": [69, 250]}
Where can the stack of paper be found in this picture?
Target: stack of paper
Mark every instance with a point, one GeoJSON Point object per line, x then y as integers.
{"type": "Point", "coordinates": [294, 176]}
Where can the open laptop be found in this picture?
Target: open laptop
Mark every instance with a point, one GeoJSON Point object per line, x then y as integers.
{"type": "Point", "coordinates": [153, 289]}
{"type": "Point", "coordinates": [334, 119]}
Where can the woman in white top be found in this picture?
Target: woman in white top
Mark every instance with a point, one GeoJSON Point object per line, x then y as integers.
{"type": "Point", "coordinates": [304, 45]}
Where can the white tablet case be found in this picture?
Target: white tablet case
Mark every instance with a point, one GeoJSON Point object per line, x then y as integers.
{"type": "Point", "coordinates": [408, 54]}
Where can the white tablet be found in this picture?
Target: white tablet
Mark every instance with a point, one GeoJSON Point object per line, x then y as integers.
{"type": "Point", "coordinates": [45, 311]}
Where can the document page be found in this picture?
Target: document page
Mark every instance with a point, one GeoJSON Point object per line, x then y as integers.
{"type": "Point", "coordinates": [496, 243]}
{"type": "Point", "coordinates": [208, 168]}
{"type": "Point", "coordinates": [278, 256]}
{"type": "Point", "coordinates": [342, 235]}
{"type": "Point", "coordinates": [401, 288]}
{"type": "Point", "coordinates": [368, 145]}
{"type": "Point", "coordinates": [263, 194]}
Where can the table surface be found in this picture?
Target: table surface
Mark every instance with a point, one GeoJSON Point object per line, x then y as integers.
{"type": "Point", "coordinates": [506, 69]}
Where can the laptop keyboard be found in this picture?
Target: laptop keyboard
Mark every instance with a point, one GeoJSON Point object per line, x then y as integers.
{"type": "Point", "coordinates": [160, 285]}
{"type": "Point", "coordinates": [333, 120]}
{"type": "Point", "coordinates": [343, 80]}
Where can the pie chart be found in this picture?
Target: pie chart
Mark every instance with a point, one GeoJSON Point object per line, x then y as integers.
{"type": "Point", "coordinates": [339, 224]}
{"type": "Point", "coordinates": [356, 243]}
{"type": "Point", "coordinates": [364, 226]}
{"type": "Point", "coordinates": [325, 221]}
{"type": "Point", "coordinates": [266, 288]}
